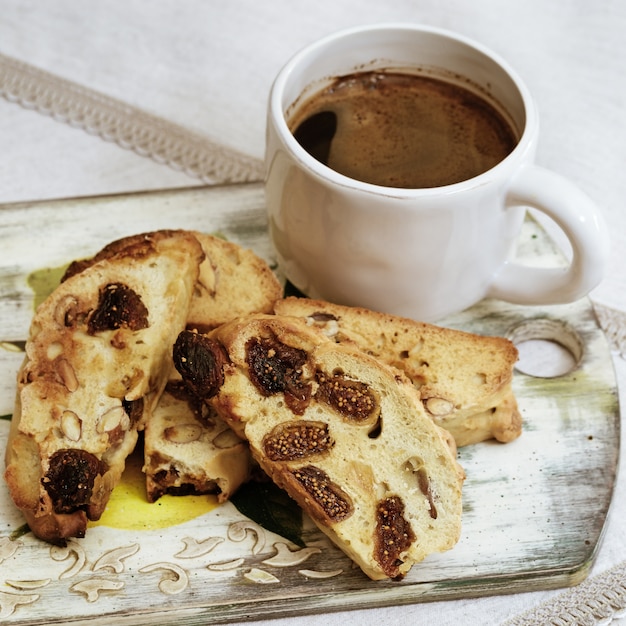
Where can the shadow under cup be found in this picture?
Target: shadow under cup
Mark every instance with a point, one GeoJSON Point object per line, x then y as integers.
{"type": "Point", "coordinates": [309, 204]}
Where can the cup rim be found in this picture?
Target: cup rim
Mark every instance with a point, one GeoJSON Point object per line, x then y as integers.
{"type": "Point", "coordinates": [327, 173]}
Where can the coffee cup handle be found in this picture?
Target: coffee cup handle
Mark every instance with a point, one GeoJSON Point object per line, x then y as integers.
{"type": "Point", "coordinates": [583, 224]}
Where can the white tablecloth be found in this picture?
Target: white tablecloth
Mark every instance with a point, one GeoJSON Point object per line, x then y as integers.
{"type": "Point", "coordinates": [197, 74]}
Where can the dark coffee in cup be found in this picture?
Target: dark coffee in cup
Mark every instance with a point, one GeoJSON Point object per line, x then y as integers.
{"type": "Point", "coordinates": [402, 130]}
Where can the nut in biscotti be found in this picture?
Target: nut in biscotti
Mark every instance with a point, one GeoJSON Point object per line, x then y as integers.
{"type": "Point", "coordinates": [347, 437]}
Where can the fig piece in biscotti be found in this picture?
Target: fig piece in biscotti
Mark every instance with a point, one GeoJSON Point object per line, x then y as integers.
{"type": "Point", "coordinates": [346, 436]}
{"type": "Point", "coordinates": [464, 379]}
{"type": "Point", "coordinates": [186, 450]}
{"type": "Point", "coordinates": [98, 356]}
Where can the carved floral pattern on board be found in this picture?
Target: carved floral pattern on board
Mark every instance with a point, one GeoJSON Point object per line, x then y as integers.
{"type": "Point", "coordinates": [92, 574]}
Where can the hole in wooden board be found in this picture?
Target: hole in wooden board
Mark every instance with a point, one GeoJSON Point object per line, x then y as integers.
{"type": "Point", "coordinates": [547, 348]}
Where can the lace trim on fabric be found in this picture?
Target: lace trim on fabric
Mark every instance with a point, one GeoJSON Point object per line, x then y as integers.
{"type": "Point", "coordinates": [597, 601]}
{"type": "Point", "coordinates": [125, 125]}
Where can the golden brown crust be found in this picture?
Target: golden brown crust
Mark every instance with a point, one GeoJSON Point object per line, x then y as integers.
{"type": "Point", "coordinates": [129, 248]}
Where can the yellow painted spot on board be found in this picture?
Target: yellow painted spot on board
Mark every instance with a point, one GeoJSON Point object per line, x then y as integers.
{"type": "Point", "coordinates": [44, 281]}
{"type": "Point", "coordinates": [129, 509]}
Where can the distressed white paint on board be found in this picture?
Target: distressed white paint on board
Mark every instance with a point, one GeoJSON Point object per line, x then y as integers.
{"type": "Point", "coordinates": [533, 509]}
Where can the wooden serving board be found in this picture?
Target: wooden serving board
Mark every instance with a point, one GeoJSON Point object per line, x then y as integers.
{"type": "Point", "coordinates": [534, 509]}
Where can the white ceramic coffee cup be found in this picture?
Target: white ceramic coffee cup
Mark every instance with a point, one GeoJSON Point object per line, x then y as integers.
{"type": "Point", "coordinates": [420, 253]}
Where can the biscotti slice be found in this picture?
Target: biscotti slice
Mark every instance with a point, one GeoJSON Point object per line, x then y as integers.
{"type": "Point", "coordinates": [464, 379]}
{"type": "Point", "coordinates": [233, 281]}
{"type": "Point", "coordinates": [188, 448]}
{"type": "Point", "coordinates": [97, 359]}
{"type": "Point", "coordinates": [346, 436]}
